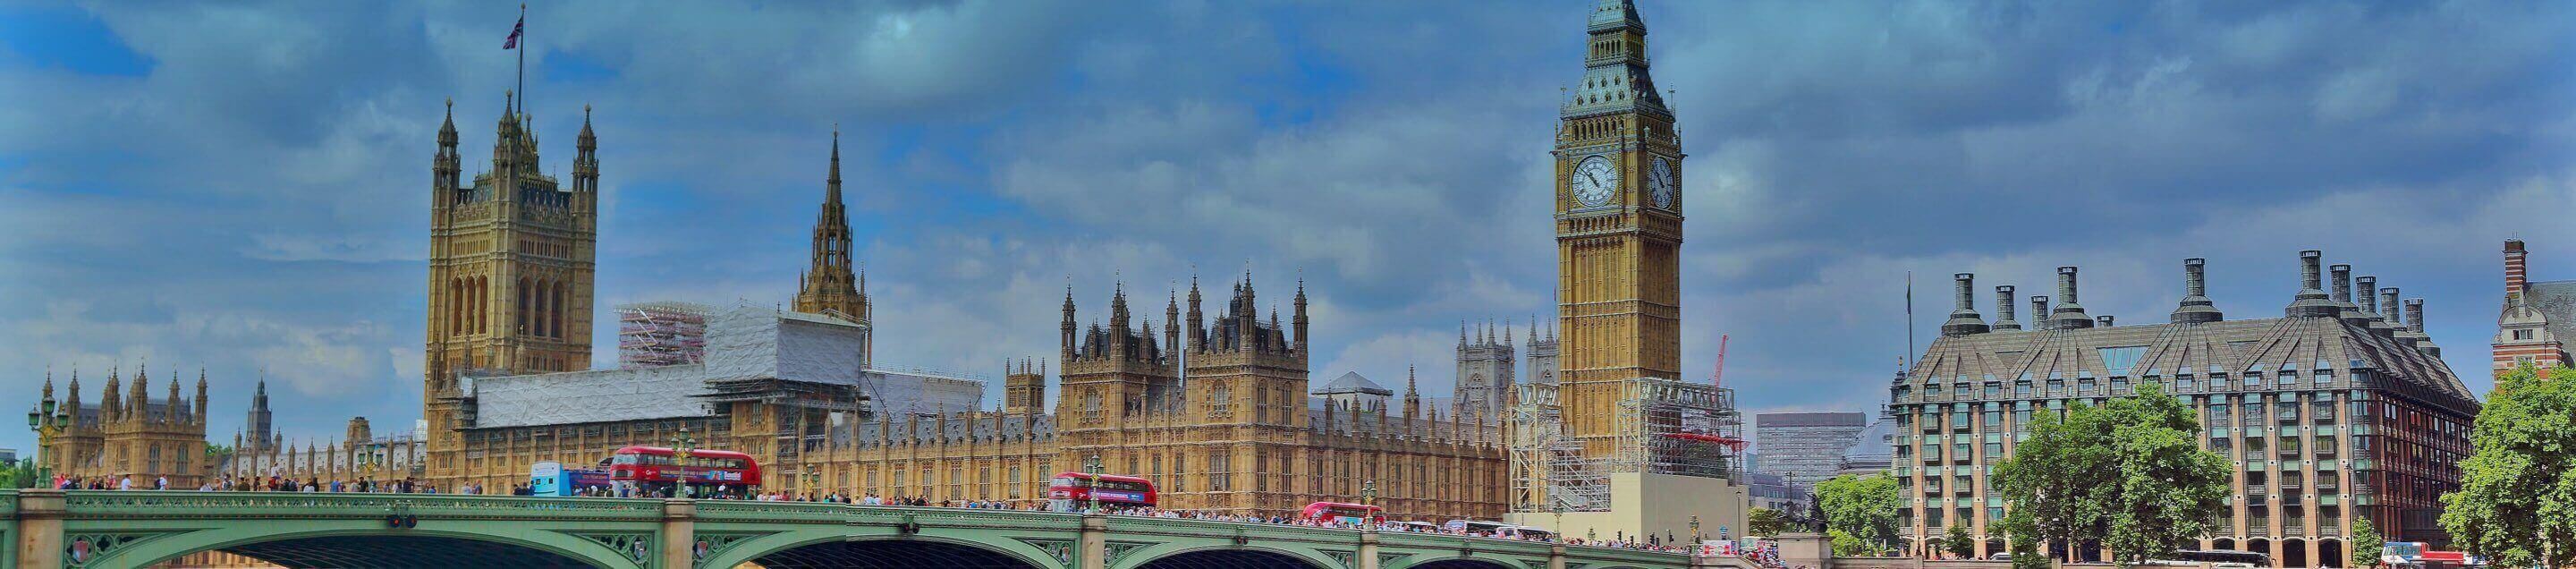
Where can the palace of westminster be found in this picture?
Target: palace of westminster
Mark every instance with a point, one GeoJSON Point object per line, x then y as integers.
{"type": "Point", "coordinates": [1214, 405]}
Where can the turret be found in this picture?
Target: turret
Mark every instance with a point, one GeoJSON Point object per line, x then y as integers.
{"type": "Point", "coordinates": [2196, 306]}
{"type": "Point", "coordinates": [1300, 321]}
{"type": "Point", "coordinates": [585, 168]}
{"type": "Point", "coordinates": [1412, 394]}
{"type": "Point", "coordinates": [177, 412]}
{"type": "Point", "coordinates": [1964, 319]}
{"type": "Point", "coordinates": [2068, 314]}
{"type": "Point", "coordinates": [1068, 322]}
{"type": "Point", "coordinates": [1198, 323]}
{"type": "Point", "coordinates": [140, 399]}
{"type": "Point", "coordinates": [111, 405]}
{"type": "Point", "coordinates": [72, 398]}
{"type": "Point", "coordinates": [198, 412]}
{"type": "Point", "coordinates": [443, 167]}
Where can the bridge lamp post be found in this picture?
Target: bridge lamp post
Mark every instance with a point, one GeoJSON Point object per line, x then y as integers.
{"type": "Point", "coordinates": [1368, 492]}
{"type": "Point", "coordinates": [680, 444]}
{"type": "Point", "coordinates": [812, 479]}
{"type": "Point", "coordinates": [1695, 535]}
{"type": "Point", "coordinates": [48, 421]}
{"type": "Point", "coordinates": [1091, 466]}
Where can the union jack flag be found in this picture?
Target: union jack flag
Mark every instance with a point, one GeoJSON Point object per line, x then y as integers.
{"type": "Point", "coordinates": [515, 29]}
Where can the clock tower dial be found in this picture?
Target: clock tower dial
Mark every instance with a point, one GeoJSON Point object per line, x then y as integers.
{"type": "Point", "coordinates": [1660, 183]}
{"type": "Point", "coordinates": [1594, 181]}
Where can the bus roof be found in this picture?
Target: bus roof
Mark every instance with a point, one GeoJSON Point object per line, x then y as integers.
{"type": "Point", "coordinates": [1070, 474]}
{"type": "Point", "coordinates": [666, 451]}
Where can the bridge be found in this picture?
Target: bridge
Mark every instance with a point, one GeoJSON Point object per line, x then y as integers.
{"type": "Point", "coordinates": [55, 529]}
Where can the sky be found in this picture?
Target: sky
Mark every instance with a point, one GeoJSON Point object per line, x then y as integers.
{"type": "Point", "coordinates": [239, 187]}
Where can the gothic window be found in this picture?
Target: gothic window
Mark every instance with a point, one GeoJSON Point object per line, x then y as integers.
{"type": "Point", "coordinates": [1091, 403]}
{"type": "Point", "coordinates": [1223, 402]}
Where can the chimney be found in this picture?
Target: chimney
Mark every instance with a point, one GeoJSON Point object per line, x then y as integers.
{"type": "Point", "coordinates": [2103, 321]}
{"type": "Point", "coordinates": [2388, 314]}
{"type": "Point", "coordinates": [1964, 319]}
{"type": "Point", "coordinates": [2068, 313]}
{"type": "Point", "coordinates": [2196, 307]}
{"type": "Point", "coordinates": [2415, 327]}
{"type": "Point", "coordinates": [2514, 276]}
{"type": "Point", "coordinates": [2345, 308]}
{"type": "Point", "coordinates": [2004, 309]}
{"type": "Point", "coordinates": [2312, 299]}
{"type": "Point", "coordinates": [2367, 314]}
{"type": "Point", "coordinates": [2039, 313]}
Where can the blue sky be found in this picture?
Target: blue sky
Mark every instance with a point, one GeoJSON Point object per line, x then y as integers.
{"type": "Point", "coordinates": [244, 185]}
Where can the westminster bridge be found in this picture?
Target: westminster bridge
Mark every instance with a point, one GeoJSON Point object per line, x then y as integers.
{"type": "Point", "coordinates": [56, 529]}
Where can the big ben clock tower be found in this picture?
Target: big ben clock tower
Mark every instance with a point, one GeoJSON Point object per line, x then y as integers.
{"type": "Point", "coordinates": [1617, 446]}
{"type": "Point", "coordinates": [1618, 228]}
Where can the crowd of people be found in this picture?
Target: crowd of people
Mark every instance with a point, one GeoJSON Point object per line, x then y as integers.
{"type": "Point", "coordinates": [412, 486]}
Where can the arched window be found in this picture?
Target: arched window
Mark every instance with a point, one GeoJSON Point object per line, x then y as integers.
{"type": "Point", "coordinates": [519, 313]}
{"type": "Point", "coordinates": [558, 327]}
{"type": "Point", "coordinates": [1223, 401]}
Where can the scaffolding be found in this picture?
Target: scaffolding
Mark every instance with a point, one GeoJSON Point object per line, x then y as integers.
{"type": "Point", "coordinates": [1660, 426]}
{"type": "Point", "coordinates": [656, 334]}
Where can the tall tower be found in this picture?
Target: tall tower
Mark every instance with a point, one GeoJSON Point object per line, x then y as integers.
{"type": "Point", "coordinates": [1542, 354]}
{"type": "Point", "coordinates": [829, 286]}
{"type": "Point", "coordinates": [1023, 387]}
{"type": "Point", "coordinates": [510, 271]}
{"type": "Point", "coordinates": [1485, 369]}
{"type": "Point", "coordinates": [1618, 228]}
{"type": "Point", "coordinates": [262, 436]}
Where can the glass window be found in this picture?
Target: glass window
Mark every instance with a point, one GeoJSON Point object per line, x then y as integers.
{"type": "Point", "coordinates": [2120, 359]}
{"type": "Point", "coordinates": [2021, 389]}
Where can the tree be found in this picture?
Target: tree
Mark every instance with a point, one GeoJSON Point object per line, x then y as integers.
{"type": "Point", "coordinates": [2129, 474]}
{"type": "Point", "coordinates": [22, 474]}
{"type": "Point", "coordinates": [1847, 546]}
{"type": "Point", "coordinates": [1958, 542]}
{"type": "Point", "coordinates": [2517, 500]}
{"type": "Point", "coordinates": [1765, 522]}
{"type": "Point", "coordinates": [2025, 547]}
{"type": "Point", "coordinates": [2365, 543]}
{"type": "Point", "coordinates": [1861, 506]}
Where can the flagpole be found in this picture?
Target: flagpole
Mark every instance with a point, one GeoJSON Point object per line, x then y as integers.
{"type": "Point", "coordinates": [1909, 318]}
{"type": "Point", "coordinates": [523, 56]}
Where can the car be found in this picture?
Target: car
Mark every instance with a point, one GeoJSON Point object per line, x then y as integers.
{"type": "Point", "coordinates": [2001, 556]}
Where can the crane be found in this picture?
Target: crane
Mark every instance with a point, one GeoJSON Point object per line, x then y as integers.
{"type": "Point", "coordinates": [1717, 377]}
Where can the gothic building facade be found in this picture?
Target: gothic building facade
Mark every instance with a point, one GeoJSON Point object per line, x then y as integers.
{"type": "Point", "coordinates": [126, 433]}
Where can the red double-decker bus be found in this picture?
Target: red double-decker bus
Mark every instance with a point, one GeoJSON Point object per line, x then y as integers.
{"type": "Point", "coordinates": [1073, 491]}
{"type": "Point", "coordinates": [1340, 513]}
{"type": "Point", "coordinates": [655, 470]}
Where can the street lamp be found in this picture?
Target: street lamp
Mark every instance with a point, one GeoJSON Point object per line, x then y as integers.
{"type": "Point", "coordinates": [812, 479]}
{"type": "Point", "coordinates": [1695, 535]}
{"type": "Point", "coordinates": [48, 421]}
{"type": "Point", "coordinates": [1091, 466]}
{"type": "Point", "coordinates": [680, 444]}
{"type": "Point", "coordinates": [1368, 492]}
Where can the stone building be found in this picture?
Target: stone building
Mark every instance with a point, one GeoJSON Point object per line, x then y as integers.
{"type": "Point", "coordinates": [2537, 319]}
{"type": "Point", "coordinates": [1485, 367]}
{"type": "Point", "coordinates": [126, 433]}
{"type": "Point", "coordinates": [1214, 406]}
{"type": "Point", "coordinates": [2337, 409]}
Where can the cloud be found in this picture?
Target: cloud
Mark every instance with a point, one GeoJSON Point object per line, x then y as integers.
{"type": "Point", "coordinates": [252, 198]}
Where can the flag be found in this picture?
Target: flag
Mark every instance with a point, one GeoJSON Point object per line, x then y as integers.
{"type": "Point", "coordinates": [515, 29]}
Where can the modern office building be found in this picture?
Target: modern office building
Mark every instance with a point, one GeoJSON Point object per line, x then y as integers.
{"type": "Point", "coordinates": [1805, 448]}
{"type": "Point", "coordinates": [2332, 411]}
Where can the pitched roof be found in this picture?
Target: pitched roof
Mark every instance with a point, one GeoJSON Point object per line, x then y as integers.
{"type": "Point", "coordinates": [2267, 345]}
{"type": "Point", "coordinates": [1352, 382]}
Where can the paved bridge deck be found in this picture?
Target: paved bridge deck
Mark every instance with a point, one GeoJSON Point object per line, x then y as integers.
{"type": "Point", "coordinates": [99, 529]}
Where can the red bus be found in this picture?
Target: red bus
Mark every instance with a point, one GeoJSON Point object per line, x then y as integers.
{"type": "Point", "coordinates": [1073, 491]}
{"type": "Point", "coordinates": [1345, 514]}
{"type": "Point", "coordinates": [656, 469]}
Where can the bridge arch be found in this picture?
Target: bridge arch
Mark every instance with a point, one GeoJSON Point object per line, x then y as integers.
{"type": "Point", "coordinates": [1460, 563]}
{"type": "Point", "coordinates": [371, 547]}
{"type": "Point", "coordinates": [1170, 556]}
{"type": "Point", "coordinates": [798, 550]}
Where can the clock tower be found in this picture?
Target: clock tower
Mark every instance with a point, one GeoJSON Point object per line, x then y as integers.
{"type": "Point", "coordinates": [1618, 223]}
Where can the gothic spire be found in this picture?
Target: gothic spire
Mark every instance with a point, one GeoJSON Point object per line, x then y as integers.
{"type": "Point", "coordinates": [829, 284]}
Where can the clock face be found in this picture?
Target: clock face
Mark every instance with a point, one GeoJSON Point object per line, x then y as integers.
{"type": "Point", "coordinates": [1660, 182]}
{"type": "Point", "coordinates": [1594, 180]}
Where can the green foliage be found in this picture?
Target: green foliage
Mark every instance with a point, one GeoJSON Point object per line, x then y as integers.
{"type": "Point", "coordinates": [2024, 547]}
{"type": "Point", "coordinates": [2365, 543]}
{"type": "Point", "coordinates": [2130, 474]}
{"type": "Point", "coordinates": [218, 450]}
{"type": "Point", "coordinates": [1863, 507]}
{"type": "Point", "coordinates": [22, 474]}
{"type": "Point", "coordinates": [1765, 522]}
{"type": "Point", "coordinates": [1847, 546]}
{"type": "Point", "coordinates": [1958, 542]}
{"type": "Point", "coordinates": [2517, 501]}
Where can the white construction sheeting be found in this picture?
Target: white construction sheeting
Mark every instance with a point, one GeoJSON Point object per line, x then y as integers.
{"type": "Point", "coordinates": [590, 396]}
{"type": "Point", "coordinates": [744, 343]}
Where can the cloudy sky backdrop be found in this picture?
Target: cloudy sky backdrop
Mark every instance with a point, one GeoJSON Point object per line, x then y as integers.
{"type": "Point", "coordinates": [244, 186]}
